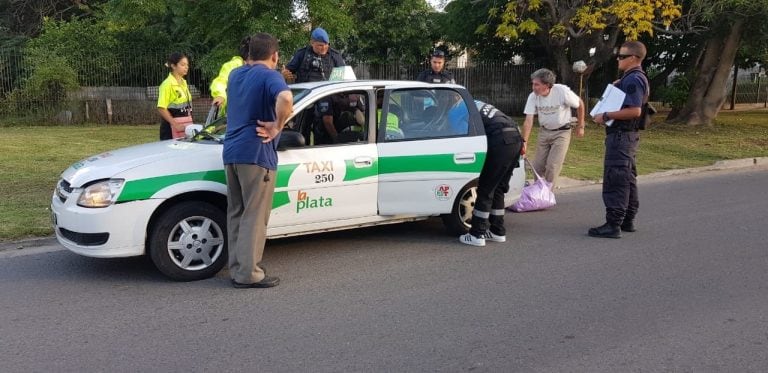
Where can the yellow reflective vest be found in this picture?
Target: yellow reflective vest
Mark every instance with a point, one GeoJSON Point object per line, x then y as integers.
{"type": "Point", "coordinates": [219, 84]}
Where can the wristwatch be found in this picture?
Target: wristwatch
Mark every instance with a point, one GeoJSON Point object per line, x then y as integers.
{"type": "Point", "coordinates": [605, 117]}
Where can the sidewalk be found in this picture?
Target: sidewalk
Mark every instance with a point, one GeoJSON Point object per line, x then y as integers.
{"type": "Point", "coordinates": [564, 183]}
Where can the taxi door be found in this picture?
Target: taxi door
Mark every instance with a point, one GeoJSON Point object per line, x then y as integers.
{"type": "Point", "coordinates": [437, 149]}
{"type": "Point", "coordinates": [323, 184]}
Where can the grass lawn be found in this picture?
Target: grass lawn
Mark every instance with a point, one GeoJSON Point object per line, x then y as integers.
{"type": "Point", "coordinates": [34, 157]}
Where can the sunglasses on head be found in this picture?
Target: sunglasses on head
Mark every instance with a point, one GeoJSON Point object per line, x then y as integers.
{"type": "Point", "coordinates": [438, 53]}
{"type": "Point", "coordinates": [624, 56]}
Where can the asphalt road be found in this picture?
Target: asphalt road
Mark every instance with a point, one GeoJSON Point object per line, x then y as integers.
{"type": "Point", "coordinates": [687, 292]}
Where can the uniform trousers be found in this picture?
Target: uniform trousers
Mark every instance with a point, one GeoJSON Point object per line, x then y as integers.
{"type": "Point", "coordinates": [551, 148]}
{"type": "Point", "coordinates": [501, 160]}
{"type": "Point", "coordinates": [620, 176]}
{"type": "Point", "coordinates": [249, 202]}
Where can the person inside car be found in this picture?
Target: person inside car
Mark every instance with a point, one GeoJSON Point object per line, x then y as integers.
{"type": "Point", "coordinates": [339, 114]}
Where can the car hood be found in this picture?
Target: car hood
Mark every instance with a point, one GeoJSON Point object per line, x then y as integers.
{"type": "Point", "coordinates": [113, 162]}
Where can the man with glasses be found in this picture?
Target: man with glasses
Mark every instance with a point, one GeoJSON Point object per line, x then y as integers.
{"type": "Point", "coordinates": [437, 72]}
{"type": "Point", "coordinates": [622, 137]}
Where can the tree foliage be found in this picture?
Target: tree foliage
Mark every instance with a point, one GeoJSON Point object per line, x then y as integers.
{"type": "Point", "coordinates": [466, 24]}
{"type": "Point", "coordinates": [569, 29]}
{"type": "Point", "coordinates": [391, 31]}
{"type": "Point", "coordinates": [562, 19]}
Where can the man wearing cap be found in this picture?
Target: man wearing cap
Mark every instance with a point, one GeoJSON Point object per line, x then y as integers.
{"type": "Point", "coordinates": [437, 72]}
{"type": "Point", "coordinates": [314, 62]}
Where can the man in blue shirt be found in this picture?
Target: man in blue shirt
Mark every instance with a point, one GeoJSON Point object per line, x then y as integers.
{"type": "Point", "coordinates": [260, 103]}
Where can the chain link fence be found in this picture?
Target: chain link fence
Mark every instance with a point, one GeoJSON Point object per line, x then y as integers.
{"type": "Point", "coordinates": [122, 89]}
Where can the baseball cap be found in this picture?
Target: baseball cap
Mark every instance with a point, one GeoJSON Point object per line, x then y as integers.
{"type": "Point", "coordinates": [319, 34]}
{"type": "Point", "coordinates": [438, 53]}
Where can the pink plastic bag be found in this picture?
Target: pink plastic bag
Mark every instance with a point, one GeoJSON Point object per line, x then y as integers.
{"type": "Point", "coordinates": [536, 196]}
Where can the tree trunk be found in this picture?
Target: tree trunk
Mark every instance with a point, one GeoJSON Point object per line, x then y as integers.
{"type": "Point", "coordinates": [708, 91]}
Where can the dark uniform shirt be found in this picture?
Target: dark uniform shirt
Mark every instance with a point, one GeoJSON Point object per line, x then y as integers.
{"type": "Point", "coordinates": [310, 67]}
{"type": "Point", "coordinates": [430, 76]}
{"type": "Point", "coordinates": [342, 107]}
{"type": "Point", "coordinates": [499, 128]}
{"type": "Point", "coordinates": [632, 83]}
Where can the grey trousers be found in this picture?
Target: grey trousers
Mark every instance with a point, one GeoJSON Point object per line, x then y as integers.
{"type": "Point", "coordinates": [249, 203]}
{"type": "Point", "coordinates": [551, 148]}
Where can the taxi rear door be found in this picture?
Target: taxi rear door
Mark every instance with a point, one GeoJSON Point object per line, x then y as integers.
{"type": "Point", "coordinates": [439, 149]}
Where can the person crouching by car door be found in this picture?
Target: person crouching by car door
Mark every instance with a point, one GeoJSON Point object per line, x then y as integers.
{"type": "Point", "coordinates": [502, 157]}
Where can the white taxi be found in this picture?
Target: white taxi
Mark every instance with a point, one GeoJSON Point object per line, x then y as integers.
{"type": "Point", "coordinates": [410, 158]}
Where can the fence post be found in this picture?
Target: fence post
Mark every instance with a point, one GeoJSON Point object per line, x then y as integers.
{"type": "Point", "coordinates": [109, 111]}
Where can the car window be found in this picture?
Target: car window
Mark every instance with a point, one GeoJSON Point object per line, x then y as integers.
{"type": "Point", "coordinates": [426, 113]}
{"type": "Point", "coordinates": [339, 118]}
{"type": "Point", "coordinates": [298, 94]}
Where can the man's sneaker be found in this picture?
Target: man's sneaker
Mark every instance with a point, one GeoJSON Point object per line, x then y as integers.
{"type": "Point", "coordinates": [490, 236]}
{"type": "Point", "coordinates": [469, 239]}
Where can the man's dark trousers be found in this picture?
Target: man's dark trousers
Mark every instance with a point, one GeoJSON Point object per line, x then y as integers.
{"type": "Point", "coordinates": [620, 176]}
{"type": "Point", "coordinates": [501, 160]}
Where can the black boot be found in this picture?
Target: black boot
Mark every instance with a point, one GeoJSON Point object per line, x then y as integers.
{"type": "Point", "coordinates": [628, 226]}
{"type": "Point", "coordinates": [605, 231]}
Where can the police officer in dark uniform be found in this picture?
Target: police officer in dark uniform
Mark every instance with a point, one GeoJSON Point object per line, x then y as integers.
{"type": "Point", "coordinates": [502, 157]}
{"type": "Point", "coordinates": [621, 141]}
{"type": "Point", "coordinates": [338, 114]}
{"type": "Point", "coordinates": [437, 72]}
{"type": "Point", "coordinates": [314, 62]}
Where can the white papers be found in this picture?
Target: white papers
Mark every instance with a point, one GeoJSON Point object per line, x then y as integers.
{"type": "Point", "coordinates": [611, 100]}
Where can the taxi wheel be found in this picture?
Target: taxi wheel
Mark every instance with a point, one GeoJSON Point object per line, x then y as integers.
{"type": "Point", "coordinates": [458, 220]}
{"type": "Point", "coordinates": [188, 241]}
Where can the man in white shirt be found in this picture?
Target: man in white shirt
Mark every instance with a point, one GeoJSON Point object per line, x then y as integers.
{"type": "Point", "coordinates": [552, 103]}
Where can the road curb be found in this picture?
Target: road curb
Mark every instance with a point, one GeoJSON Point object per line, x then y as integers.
{"type": "Point", "coordinates": [567, 183]}
{"type": "Point", "coordinates": [28, 242]}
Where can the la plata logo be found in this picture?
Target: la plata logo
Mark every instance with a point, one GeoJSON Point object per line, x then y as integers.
{"type": "Point", "coordinates": [304, 201]}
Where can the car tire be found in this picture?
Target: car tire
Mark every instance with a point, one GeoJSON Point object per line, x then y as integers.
{"type": "Point", "coordinates": [457, 222]}
{"type": "Point", "coordinates": [188, 242]}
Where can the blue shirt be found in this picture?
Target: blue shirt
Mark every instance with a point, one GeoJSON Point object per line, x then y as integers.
{"type": "Point", "coordinates": [634, 86]}
{"type": "Point", "coordinates": [252, 92]}
{"type": "Point", "coordinates": [458, 118]}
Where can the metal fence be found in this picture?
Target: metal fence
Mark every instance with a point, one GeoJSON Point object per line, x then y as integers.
{"type": "Point", "coordinates": [122, 89]}
{"type": "Point", "coordinates": [750, 89]}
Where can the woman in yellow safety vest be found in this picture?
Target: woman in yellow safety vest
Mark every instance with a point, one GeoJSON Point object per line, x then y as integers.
{"type": "Point", "coordinates": [174, 102]}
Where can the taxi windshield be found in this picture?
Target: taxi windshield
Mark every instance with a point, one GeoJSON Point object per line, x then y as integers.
{"type": "Point", "coordinates": [216, 129]}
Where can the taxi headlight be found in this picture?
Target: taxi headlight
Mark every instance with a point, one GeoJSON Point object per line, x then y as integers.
{"type": "Point", "coordinates": [100, 194]}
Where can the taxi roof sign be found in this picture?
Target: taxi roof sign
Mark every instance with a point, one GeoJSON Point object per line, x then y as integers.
{"type": "Point", "coordinates": [342, 73]}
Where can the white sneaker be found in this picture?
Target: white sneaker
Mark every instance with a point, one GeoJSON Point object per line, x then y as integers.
{"type": "Point", "coordinates": [489, 236]}
{"type": "Point", "coordinates": [469, 239]}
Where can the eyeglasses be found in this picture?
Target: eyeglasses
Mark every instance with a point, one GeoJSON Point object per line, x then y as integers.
{"type": "Point", "coordinates": [624, 56]}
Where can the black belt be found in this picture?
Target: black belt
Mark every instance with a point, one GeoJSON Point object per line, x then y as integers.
{"type": "Point", "coordinates": [563, 128]}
